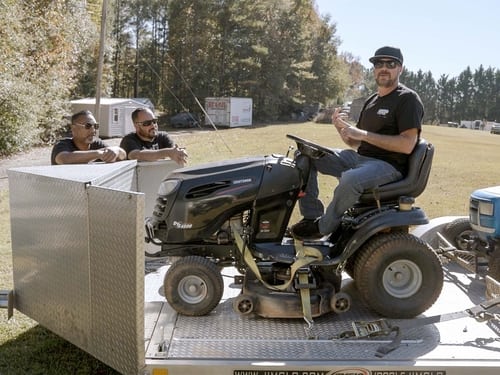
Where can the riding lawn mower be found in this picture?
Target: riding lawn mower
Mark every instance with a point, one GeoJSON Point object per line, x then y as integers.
{"type": "Point", "coordinates": [235, 213]}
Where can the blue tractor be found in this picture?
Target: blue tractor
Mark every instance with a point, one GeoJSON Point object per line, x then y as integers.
{"type": "Point", "coordinates": [477, 238]}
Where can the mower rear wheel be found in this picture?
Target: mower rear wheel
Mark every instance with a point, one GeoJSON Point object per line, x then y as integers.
{"type": "Point", "coordinates": [398, 275]}
{"type": "Point", "coordinates": [193, 286]}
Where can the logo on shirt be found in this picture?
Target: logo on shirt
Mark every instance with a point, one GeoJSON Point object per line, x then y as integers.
{"type": "Point", "coordinates": [382, 112]}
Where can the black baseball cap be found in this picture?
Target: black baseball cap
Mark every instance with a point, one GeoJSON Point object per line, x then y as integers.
{"type": "Point", "coordinates": [388, 52]}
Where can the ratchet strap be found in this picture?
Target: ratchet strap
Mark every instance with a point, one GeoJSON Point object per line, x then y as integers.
{"type": "Point", "coordinates": [382, 327]}
{"type": "Point", "coordinates": [304, 255]}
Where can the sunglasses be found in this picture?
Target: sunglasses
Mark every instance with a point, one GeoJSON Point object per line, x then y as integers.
{"type": "Point", "coordinates": [389, 64]}
{"type": "Point", "coordinates": [88, 125]}
{"type": "Point", "coordinates": [148, 122]}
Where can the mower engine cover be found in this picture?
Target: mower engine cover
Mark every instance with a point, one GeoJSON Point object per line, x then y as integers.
{"type": "Point", "coordinates": [193, 203]}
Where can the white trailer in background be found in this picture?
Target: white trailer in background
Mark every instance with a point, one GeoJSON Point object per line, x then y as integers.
{"type": "Point", "coordinates": [230, 111]}
{"type": "Point", "coordinates": [79, 270]}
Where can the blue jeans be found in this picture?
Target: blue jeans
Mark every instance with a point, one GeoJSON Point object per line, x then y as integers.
{"type": "Point", "coordinates": [356, 174]}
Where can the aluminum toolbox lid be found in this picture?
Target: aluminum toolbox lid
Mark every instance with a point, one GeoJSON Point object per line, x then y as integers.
{"type": "Point", "coordinates": [92, 174]}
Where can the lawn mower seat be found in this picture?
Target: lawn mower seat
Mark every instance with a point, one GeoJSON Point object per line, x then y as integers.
{"type": "Point", "coordinates": [419, 168]}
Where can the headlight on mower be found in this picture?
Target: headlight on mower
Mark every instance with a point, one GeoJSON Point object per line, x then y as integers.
{"type": "Point", "coordinates": [168, 187]}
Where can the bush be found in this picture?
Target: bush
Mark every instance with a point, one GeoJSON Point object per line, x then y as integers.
{"type": "Point", "coordinates": [41, 45]}
{"type": "Point", "coordinates": [18, 116]}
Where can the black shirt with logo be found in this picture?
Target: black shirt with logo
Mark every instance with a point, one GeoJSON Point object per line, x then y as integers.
{"type": "Point", "coordinates": [391, 114]}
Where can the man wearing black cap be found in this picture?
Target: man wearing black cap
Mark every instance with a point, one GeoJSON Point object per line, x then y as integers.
{"type": "Point", "coordinates": [388, 129]}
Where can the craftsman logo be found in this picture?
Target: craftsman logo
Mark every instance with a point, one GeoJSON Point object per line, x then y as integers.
{"type": "Point", "coordinates": [242, 181]}
{"type": "Point", "coordinates": [178, 225]}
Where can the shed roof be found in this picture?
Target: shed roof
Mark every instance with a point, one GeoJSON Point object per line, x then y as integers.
{"type": "Point", "coordinates": [107, 101]}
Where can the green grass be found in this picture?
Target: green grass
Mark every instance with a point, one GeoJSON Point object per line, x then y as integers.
{"type": "Point", "coordinates": [465, 160]}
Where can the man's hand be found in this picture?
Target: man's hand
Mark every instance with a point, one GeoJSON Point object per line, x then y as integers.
{"type": "Point", "coordinates": [179, 155]}
{"type": "Point", "coordinates": [339, 119]}
{"type": "Point", "coordinates": [347, 131]}
{"type": "Point", "coordinates": [108, 155]}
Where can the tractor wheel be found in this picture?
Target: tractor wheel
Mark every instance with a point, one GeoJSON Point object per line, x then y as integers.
{"type": "Point", "coordinates": [458, 233]}
{"type": "Point", "coordinates": [493, 276]}
{"type": "Point", "coordinates": [398, 275]}
{"type": "Point", "coordinates": [193, 286]}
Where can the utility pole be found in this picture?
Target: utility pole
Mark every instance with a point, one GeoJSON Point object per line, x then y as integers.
{"type": "Point", "coordinates": [100, 62]}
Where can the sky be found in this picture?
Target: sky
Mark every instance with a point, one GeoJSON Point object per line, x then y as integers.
{"type": "Point", "coordinates": [440, 36]}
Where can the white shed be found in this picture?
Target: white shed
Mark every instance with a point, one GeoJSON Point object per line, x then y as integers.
{"type": "Point", "coordinates": [115, 117]}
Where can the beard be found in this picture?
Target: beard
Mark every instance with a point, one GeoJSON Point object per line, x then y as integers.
{"type": "Point", "coordinates": [149, 133]}
{"type": "Point", "coordinates": [385, 81]}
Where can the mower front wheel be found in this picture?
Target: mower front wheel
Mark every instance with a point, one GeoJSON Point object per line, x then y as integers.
{"type": "Point", "coordinates": [193, 286]}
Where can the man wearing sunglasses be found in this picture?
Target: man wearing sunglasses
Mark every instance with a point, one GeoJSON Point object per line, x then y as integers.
{"type": "Point", "coordinates": [149, 144]}
{"type": "Point", "coordinates": [388, 129]}
{"type": "Point", "coordinates": [84, 147]}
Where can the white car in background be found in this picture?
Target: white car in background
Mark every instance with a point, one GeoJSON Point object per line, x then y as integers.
{"type": "Point", "coordinates": [495, 129]}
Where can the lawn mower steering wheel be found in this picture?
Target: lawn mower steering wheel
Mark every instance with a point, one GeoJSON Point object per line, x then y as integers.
{"type": "Point", "coordinates": [309, 148]}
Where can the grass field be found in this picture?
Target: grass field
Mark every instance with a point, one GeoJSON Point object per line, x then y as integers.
{"type": "Point", "coordinates": [464, 161]}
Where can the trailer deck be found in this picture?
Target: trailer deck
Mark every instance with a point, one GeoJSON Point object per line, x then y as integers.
{"type": "Point", "coordinates": [234, 343]}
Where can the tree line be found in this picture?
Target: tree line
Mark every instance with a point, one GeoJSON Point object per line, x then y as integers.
{"type": "Point", "coordinates": [283, 54]}
{"type": "Point", "coordinates": [473, 95]}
